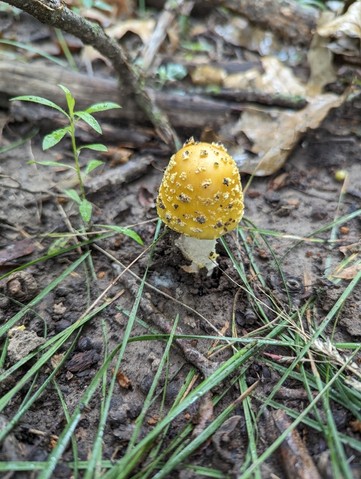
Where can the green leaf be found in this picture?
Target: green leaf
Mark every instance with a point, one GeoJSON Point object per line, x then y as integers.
{"type": "Point", "coordinates": [109, 105]}
{"type": "Point", "coordinates": [95, 147]}
{"type": "Point", "coordinates": [92, 165]}
{"type": "Point", "coordinates": [50, 163]}
{"type": "Point", "coordinates": [73, 195]}
{"type": "Point", "coordinates": [54, 137]}
{"type": "Point", "coordinates": [69, 98]}
{"type": "Point", "coordinates": [85, 210]}
{"type": "Point", "coordinates": [89, 119]}
{"type": "Point", "coordinates": [41, 101]}
{"type": "Point", "coordinates": [125, 231]}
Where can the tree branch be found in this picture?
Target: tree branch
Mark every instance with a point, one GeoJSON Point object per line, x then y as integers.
{"type": "Point", "coordinates": [56, 14]}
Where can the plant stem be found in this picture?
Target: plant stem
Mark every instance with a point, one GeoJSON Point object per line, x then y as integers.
{"type": "Point", "coordinates": [76, 156]}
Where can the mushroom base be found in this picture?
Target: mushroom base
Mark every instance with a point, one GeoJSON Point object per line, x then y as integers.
{"type": "Point", "coordinates": [201, 252]}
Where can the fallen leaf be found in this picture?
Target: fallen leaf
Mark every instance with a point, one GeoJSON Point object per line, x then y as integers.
{"type": "Point", "coordinates": [279, 78]}
{"type": "Point", "coordinates": [347, 24]}
{"type": "Point", "coordinates": [293, 453]}
{"type": "Point", "coordinates": [56, 359]}
{"type": "Point", "coordinates": [345, 30]}
{"type": "Point", "coordinates": [118, 155]}
{"type": "Point", "coordinates": [274, 78]}
{"type": "Point", "coordinates": [97, 16]}
{"type": "Point", "coordinates": [90, 55]}
{"type": "Point", "coordinates": [278, 182]}
{"type": "Point", "coordinates": [123, 381]}
{"type": "Point", "coordinates": [348, 273]}
{"type": "Point", "coordinates": [320, 60]}
{"type": "Point", "coordinates": [353, 248]}
{"type": "Point", "coordinates": [146, 197]}
{"type": "Point", "coordinates": [16, 250]}
{"type": "Point", "coordinates": [273, 134]}
{"type": "Point", "coordinates": [142, 28]}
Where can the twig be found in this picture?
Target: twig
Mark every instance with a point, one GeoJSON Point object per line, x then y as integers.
{"type": "Point", "coordinates": [245, 96]}
{"type": "Point", "coordinates": [171, 10]}
{"type": "Point", "coordinates": [56, 14]}
{"type": "Point", "coordinates": [296, 460]}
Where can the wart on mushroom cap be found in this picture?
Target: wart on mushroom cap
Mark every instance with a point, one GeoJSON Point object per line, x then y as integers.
{"type": "Point", "coordinates": [201, 197]}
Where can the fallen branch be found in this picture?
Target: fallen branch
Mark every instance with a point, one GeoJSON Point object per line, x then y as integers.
{"type": "Point", "coordinates": [170, 12]}
{"type": "Point", "coordinates": [296, 460]}
{"type": "Point", "coordinates": [56, 14]}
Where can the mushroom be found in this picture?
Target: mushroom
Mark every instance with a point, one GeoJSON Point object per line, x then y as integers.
{"type": "Point", "coordinates": [200, 197]}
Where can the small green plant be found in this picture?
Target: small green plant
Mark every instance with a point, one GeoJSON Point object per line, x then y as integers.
{"type": "Point", "coordinates": [171, 72]}
{"type": "Point", "coordinates": [53, 138]}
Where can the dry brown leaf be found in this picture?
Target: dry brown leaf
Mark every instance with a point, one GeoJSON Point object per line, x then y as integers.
{"type": "Point", "coordinates": [346, 30]}
{"type": "Point", "coordinates": [97, 16]}
{"type": "Point", "coordinates": [348, 24]}
{"type": "Point", "coordinates": [278, 182]}
{"type": "Point", "coordinates": [274, 134]}
{"type": "Point", "coordinates": [118, 155]}
{"type": "Point", "coordinates": [276, 79]}
{"type": "Point", "coordinates": [348, 273]}
{"type": "Point", "coordinates": [353, 248]}
{"type": "Point", "coordinates": [141, 27]}
{"type": "Point", "coordinates": [16, 250]}
{"type": "Point", "coordinates": [89, 54]}
{"type": "Point", "coordinates": [56, 359]}
{"type": "Point", "coordinates": [320, 60]}
{"type": "Point", "coordinates": [123, 381]}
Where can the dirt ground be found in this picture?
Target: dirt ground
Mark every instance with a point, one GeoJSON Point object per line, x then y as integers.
{"type": "Point", "coordinates": [298, 200]}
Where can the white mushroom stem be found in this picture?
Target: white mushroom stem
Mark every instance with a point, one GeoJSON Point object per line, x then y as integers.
{"type": "Point", "coordinates": [201, 252]}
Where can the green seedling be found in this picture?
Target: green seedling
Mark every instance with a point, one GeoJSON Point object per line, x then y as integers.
{"type": "Point", "coordinates": [171, 72]}
{"type": "Point", "coordinates": [53, 138]}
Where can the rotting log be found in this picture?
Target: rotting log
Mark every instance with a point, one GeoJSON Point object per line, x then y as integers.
{"type": "Point", "coordinates": [42, 79]}
{"type": "Point", "coordinates": [185, 110]}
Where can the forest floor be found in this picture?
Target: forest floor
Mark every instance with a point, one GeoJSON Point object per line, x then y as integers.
{"type": "Point", "coordinates": [95, 382]}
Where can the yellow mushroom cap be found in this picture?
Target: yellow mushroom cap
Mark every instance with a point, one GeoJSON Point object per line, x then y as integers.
{"type": "Point", "coordinates": [201, 193]}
